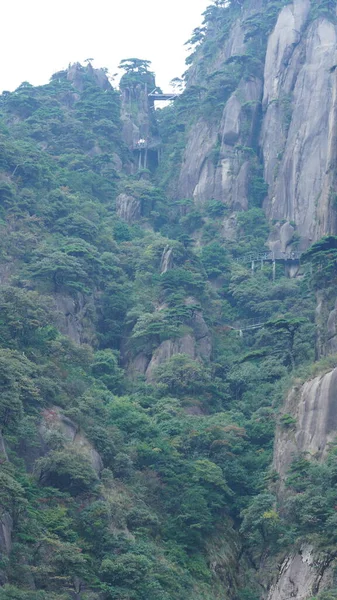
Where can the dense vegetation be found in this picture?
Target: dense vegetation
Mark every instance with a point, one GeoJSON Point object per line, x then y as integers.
{"type": "Point", "coordinates": [119, 484]}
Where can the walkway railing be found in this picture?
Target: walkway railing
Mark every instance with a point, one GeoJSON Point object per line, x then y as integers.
{"type": "Point", "coordinates": [156, 95]}
{"type": "Point", "coordinates": [270, 257]}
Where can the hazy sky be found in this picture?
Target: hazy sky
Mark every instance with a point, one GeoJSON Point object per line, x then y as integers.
{"type": "Point", "coordinates": [40, 37]}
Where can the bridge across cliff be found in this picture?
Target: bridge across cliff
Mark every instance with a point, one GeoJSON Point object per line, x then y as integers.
{"type": "Point", "coordinates": [154, 95]}
{"type": "Point", "coordinates": [268, 256]}
{"type": "Point", "coordinates": [255, 258]}
{"type": "Point", "coordinates": [248, 324]}
{"type": "Point", "coordinates": [287, 258]}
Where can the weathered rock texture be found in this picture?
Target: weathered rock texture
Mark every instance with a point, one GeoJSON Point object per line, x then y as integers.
{"type": "Point", "coordinates": [76, 74]}
{"type": "Point", "coordinates": [6, 521]}
{"type": "Point", "coordinates": [128, 208]}
{"type": "Point", "coordinates": [298, 138]}
{"type": "Point", "coordinates": [74, 317]}
{"type": "Point", "coordinates": [302, 575]}
{"type": "Point", "coordinates": [314, 409]}
{"type": "Point", "coordinates": [197, 345]}
{"type": "Point", "coordinates": [166, 262]}
{"type": "Point", "coordinates": [55, 420]}
{"type": "Point", "coordinates": [326, 322]}
{"type": "Point", "coordinates": [213, 167]}
{"type": "Point", "coordinates": [138, 113]}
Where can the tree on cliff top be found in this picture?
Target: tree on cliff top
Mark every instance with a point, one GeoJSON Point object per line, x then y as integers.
{"type": "Point", "coordinates": [136, 71]}
{"type": "Point", "coordinates": [135, 65]}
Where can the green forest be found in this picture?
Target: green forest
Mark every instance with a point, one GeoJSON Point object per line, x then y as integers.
{"type": "Point", "coordinates": [137, 407]}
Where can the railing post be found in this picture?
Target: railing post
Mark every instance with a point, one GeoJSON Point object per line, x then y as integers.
{"type": "Point", "coordinates": [274, 269]}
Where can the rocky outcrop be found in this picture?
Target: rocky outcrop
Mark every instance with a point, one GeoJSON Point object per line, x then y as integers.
{"type": "Point", "coordinates": [128, 208]}
{"type": "Point", "coordinates": [326, 322]}
{"type": "Point", "coordinates": [55, 421]}
{"type": "Point", "coordinates": [77, 74]}
{"type": "Point", "coordinates": [167, 349]}
{"type": "Point", "coordinates": [166, 262]}
{"type": "Point", "coordinates": [298, 131]}
{"type": "Point", "coordinates": [74, 317]}
{"type": "Point", "coordinates": [6, 521]}
{"type": "Point", "coordinates": [197, 344]}
{"type": "Point", "coordinates": [6, 530]}
{"type": "Point", "coordinates": [298, 138]}
{"type": "Point", "coordinates": [212, 166]}
{"type": "Point", "coordinates": [331, 343]}
{"type": "Point", "coordinates": [313, 409]}
{"type": "Point", "coordinates": [137, 114]}
{"type": "Point", "coordinates": [3, 451]}
{"type": "Point", "coordinates": [302, 575]}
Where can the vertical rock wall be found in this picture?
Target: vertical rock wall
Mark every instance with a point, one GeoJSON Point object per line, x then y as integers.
{"type": "Point", "coordinates": [212, 166]}
{"type": "Point", "coordinates": [314, 407]}
{"type": "Point", "coordinates": [298, 137]}
{"type": "Point", "coordinates": [298, 132]}
{"type": "Point", "coordinates": [308, 571]}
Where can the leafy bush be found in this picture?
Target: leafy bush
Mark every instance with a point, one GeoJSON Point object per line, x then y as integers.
{"type": "Point", "coordinates": [67, 469]}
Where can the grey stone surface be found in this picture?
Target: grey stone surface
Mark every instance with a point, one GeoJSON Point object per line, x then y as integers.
{"type": "Point", "coordinates": [197, 344]}
{"type": "Point", "coordinates": [55, 420]}
{"type": "Point", "coordinates": [128, 208]}
{"type": "Point", "coordinates": [6, 528]}
{"type": "Point", "coordinates": [331, 344]}
{"type": "Point", "coordinates": [76, 75]}
{"type": "Point", "coordinates": [220, 172]}
{"type": "Point", "coordinates": [73, 317]}
{"type": "Point", "coordinates": [166, 262]}
{"type": "Point", "coordinates": [313, 405]}
{"type": "Point", "coordinates": [298, 138]}
{"type": "Point", "coordinates": [302, 575]}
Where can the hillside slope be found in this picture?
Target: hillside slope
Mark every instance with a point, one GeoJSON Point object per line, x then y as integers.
{"type": "Point", "coordinates": [138, 400]}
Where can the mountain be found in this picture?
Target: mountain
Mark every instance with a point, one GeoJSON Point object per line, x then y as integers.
{"type": "Point", "coordinates": [168, 324]}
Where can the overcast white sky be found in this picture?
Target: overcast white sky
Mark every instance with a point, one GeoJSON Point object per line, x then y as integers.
{"type": "Point", "coordinates": [40, 37]}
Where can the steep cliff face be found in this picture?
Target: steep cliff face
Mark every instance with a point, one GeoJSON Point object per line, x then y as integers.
{"type": "Point", "coordinates": [197, 344]}
{"type": "Point", "coordinates": [202, 177]}
{"type": "Point", "coordinates": [74, 317]}
{"type": "Point", "coordinates": [313, 407]}
{"type": "Point", "coordinates": [299, 128]}
{"type": "Point", "coordinates": [128, 208]}
{"type": "Point", "coordinates": [294, 135]}
{"type": "Point", "coordinates": [137, 114]}
{"type": "Point", "coordinates": [213, 166]}
{"type": "Point", "coordinates": [159, 478]}
{"type": "Point", "coordinates": [302, 575]}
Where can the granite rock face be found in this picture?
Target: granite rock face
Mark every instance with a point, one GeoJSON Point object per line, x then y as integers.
{"type": "Point", "coordinates": [298, 136]}
{"type": "Point", "coordinates": [54, 420]}
{"type": "Point", "coordinates": [212, 166]}
{"type": "Point", "coordinates": [313, 407]}
{"type": "Point", "coordinates": [293, 113]}
{"type": "Point", "coordinates": [197, 345]}
{"type": "Point", "coordinates": [302, 575]}
{"type": "Point", "coordinates": [128, 208]}
{"type": "Point", "coordinates": [74, 317]}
